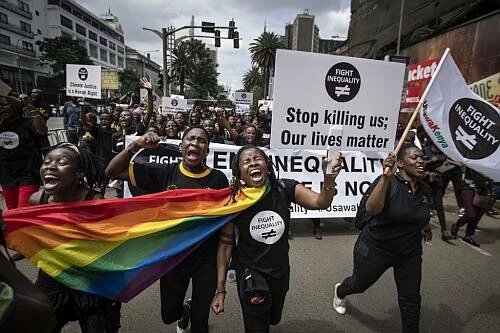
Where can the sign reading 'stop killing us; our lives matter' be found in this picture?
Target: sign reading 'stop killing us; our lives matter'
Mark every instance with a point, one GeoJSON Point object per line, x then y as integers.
{"type": "Point", "coordinates": [325, 101]}
{"type": "Point", "coordinates": [83, 81]}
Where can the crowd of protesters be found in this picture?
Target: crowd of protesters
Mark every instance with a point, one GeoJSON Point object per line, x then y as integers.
{"type": "Point", "coordinates": [28, 162]}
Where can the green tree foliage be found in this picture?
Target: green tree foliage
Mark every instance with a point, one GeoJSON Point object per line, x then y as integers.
{"type": "Point", "coordinates": [192, 65]}
{"type": "Point", "coordinates": [59, 51]}
{"type": "Point", "coordinates": [263, 53]}
{"type": "Point", "coordinates": [252, 78]}
{"type": "Point", "coordinates": [129, 82]}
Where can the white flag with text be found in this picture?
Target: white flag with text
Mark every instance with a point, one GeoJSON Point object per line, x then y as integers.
{"type": "Point", "coordinates": [463, 125]}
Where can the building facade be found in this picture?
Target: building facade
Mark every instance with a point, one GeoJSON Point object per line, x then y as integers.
{"type": "Point", "coordinates": [24, 22]}
{"type": "Point", "coordinates": [142, 65]}
{"type": "Point", "coordinates": [304, 33]}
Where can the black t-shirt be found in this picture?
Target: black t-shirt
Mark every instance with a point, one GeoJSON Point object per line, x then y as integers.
{"type": "Point", "coordinates": [156, 177]}
{"type": "Point", "coordinates": [20, 156]}
{"type": "Point", "coordinates": [102, 144]}
{"type": "Point", "coordinates": [397, 230]}
{"type": "Point", "coordinates": [263, 233]}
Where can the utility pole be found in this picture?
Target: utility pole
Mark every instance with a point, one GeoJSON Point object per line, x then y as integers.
{"type": "Point", "coordinates": [168, 41]}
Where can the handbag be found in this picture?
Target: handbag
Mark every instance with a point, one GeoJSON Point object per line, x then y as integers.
{"type": "Point", "coordinates": [484, 200]}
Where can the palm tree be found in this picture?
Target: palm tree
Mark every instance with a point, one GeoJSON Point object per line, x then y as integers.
{"type": "Point", "coordinates": [182, 64]}
{"type": "Point", "coordinates": [252, 78]}
{"type": "Point", "coordinates": [263, 53]}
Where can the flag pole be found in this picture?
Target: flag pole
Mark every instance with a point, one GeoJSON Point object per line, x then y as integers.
{"type": "Point", "coordinates": [420, 103]}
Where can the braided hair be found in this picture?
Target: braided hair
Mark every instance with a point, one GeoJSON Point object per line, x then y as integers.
{"type": "Point", "coordinates": [88, 163]}
{"type": "Point", "coordinates": [236, 184]}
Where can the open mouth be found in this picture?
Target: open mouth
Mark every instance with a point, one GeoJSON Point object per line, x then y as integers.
{"type": "Point", "coordinates": [50, 181]}
{"type": "Point", "coordinates": [256, 175]}
{"type": "Point", "coordinates": [420, 169]}
{"type": "Point", "coordinates": [193, 154]}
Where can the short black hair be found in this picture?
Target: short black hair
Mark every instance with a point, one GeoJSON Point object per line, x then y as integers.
{"type": "Point", "coordinates": [192, 128]}
{"type": "Point", "coordinates": [404, 148]}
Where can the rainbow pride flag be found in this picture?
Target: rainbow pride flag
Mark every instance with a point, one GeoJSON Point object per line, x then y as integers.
{"type": "Point", "coordinates": [116, 248]}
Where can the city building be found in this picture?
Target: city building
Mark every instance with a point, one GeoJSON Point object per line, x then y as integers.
{"type": "Point", "coordinates": [22, 24]}
{"type": "Point", "coordinates": [102, 37]}
{"type": "Point", "coordinates": [328, 46]}
{"type": "Point", "coordinates": [142, 65]}
{"type": "Point", "coordinates": [304, 33]}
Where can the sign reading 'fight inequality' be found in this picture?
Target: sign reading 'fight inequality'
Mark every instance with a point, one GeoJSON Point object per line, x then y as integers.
{"type": "Point", "coordinates": [331, 101]}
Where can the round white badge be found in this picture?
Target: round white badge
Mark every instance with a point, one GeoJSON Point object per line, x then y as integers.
{"type": "Point", "coordinates": [9, 140]}
{"type": "Point", "coordinates": [267, 227]}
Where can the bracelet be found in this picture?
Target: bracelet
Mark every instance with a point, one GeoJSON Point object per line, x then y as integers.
{"type": "Point", "coordinates": [133, 148]}
{"type": "Point", "coordinates": [220, 291]}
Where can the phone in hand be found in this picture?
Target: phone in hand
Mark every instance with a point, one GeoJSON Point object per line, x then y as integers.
{"type": "Point", "coordinates": [332, 155]}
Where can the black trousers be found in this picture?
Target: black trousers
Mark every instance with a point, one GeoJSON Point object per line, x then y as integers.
{"type": "Point", "coordinates": [202, 270]}
{"type": "Point", "coordinates": [370, 265]}
{"type": "Point", "coordinates": [258, 318]}
{"type": "Point", "coordinates": [455, 176]}
{"type": "Point", "coordinates": [437, 200]}
{"type": "Point", "coordinates": [472, 213]}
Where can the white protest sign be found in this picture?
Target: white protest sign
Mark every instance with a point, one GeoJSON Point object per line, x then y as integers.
{"type": "Point", "coordinates": [83, 81]}
{"type": "Point", "coordinates": [242, 97]}
{"type": "Point", "coordinates": [359, 170]}
{"type": "Point", "coordinates": [174, 105]}
{"type": "Point", "coordinates": [359, 98]}
{"type": "Point", "coordinates": [156, 99]}
{"type": "Point", "coordinates": [176, 96]}
{"type": "Point", "coordinates": [242, 108]}
{"type": "Point", "coordinates": [265, 105]}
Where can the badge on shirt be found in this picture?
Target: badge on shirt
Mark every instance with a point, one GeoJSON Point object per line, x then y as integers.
{"type": "Point", "coordinates": [9, 140]}
{"type": "Point", "coordinates": [267, 227]}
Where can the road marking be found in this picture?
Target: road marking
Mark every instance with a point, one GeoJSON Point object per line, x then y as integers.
{"type": "Point", "coordinates": [478, 249]}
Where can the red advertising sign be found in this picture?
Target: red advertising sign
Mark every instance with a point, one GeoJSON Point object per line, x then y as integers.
{"type": "Point", "coordinates": [418, 76]}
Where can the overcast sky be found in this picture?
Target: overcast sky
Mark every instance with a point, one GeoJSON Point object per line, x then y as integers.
{"type": "Point", "coordinates": [332, 18]}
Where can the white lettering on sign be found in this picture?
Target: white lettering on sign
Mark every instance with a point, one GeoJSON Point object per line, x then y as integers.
{"type": "Point", "coordinates": [422, 72]}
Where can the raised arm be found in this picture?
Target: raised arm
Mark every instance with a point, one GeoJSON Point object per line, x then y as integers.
{"type": "Point", "coordinates": [376, 200]}
{"type": "Point", "coordinates": [118, 167]}
{"type": "Point", "coordinates": [226, 244]}
{"type": "Point", "coordinates": [224, 123]}
{"type": "Point", "coordinates": [313, 200]}
{"type": "Point", "coordinates": [148, 85]}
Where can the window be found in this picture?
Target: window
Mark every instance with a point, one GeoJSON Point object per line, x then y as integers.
{"type": "Point", "coordinates": [120, 62]}
{"type": "Point", "coordinates": [93, 35]}
{"type": "Point", "coordinates": [4, 39]}
{"type": "Point", "coordinates": [3, 18]}
{"type": "Point", "coordinates": [103, 41]}
{"type": "Point", "coordinates": [23, 6]}
{"type": "Point", "coordinates": [27, 46]}
{"type": "Point", "coordinates": [112, 58]}
{"type": "Point", "coordinates": [112, 45]}
{"type": "Point", "coordinates": [120, 49]}
{"type": "Point", "coordinates": [37, 13]}
{"type": "Point", "coordinates": [38, 31]}
{"type": "Point", "coordinates": [66, 35]}
{"type": "Point", "coordinates": [104, 55]}
{"type": "Point", "coordinates": [66, 22]}
{"type": "Point", "coordinates": [93, 51]}
{"type": "Point", "coordinates": [81, 29]}
{"type": "Point", "coordinates": [25, 26]}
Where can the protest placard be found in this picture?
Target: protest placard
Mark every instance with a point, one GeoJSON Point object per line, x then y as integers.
{"type": "Point", "coordinates": [242, 97]}
{"type": "Point", "coordinates": [359, 170]}
{"type": "Point", "coordinates": [342, 102]}
{"type": "Point", "coordinates": [83, 81]}
{"type": "Point", "coordinates": [173, 105]}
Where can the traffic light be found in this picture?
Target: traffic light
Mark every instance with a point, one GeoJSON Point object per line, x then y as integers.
{"type": "Point", "coordinates": [236, 40]}
{"type": "Point", "coordinates": [230, 31]}
{"type": "Point", "coordinates": [217, 38]}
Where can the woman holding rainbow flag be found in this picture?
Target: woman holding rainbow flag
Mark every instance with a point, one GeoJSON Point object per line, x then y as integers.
{"type": "Point", "coordinates": [261, 255]}
{"type": "Point", "coordinates": [200, 265]}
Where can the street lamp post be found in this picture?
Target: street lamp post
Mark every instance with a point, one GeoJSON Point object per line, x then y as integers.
{"type": "Point", "coordinates": [400, 25]}
{"type": "Point", "coordinates": [19, 63]}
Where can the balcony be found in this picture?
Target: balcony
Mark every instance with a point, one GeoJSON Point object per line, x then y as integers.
{"type": "Point", "coordinates": [30, 53]}
{"type": "Point", "coordinates": [17, 30]}
{"type": "Point", "coordinates": [15, 8]}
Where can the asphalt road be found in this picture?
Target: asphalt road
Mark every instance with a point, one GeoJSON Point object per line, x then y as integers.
{"type": "Point", "coordinates": [460, 286]}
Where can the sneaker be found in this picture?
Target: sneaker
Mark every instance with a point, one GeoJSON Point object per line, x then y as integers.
{"type": "Point", "coordinates": [339, 304]}
{"type": "Point", "coordinates": [461, 212]}
{"type": "Point", "coordinates": [183, 323]}
{"type": "Point", "coordinates": [231, 276]}
{"type": "Point", "coordinates": [318, 233]}
{"type": "Point", "coordinates": [471, 241]}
